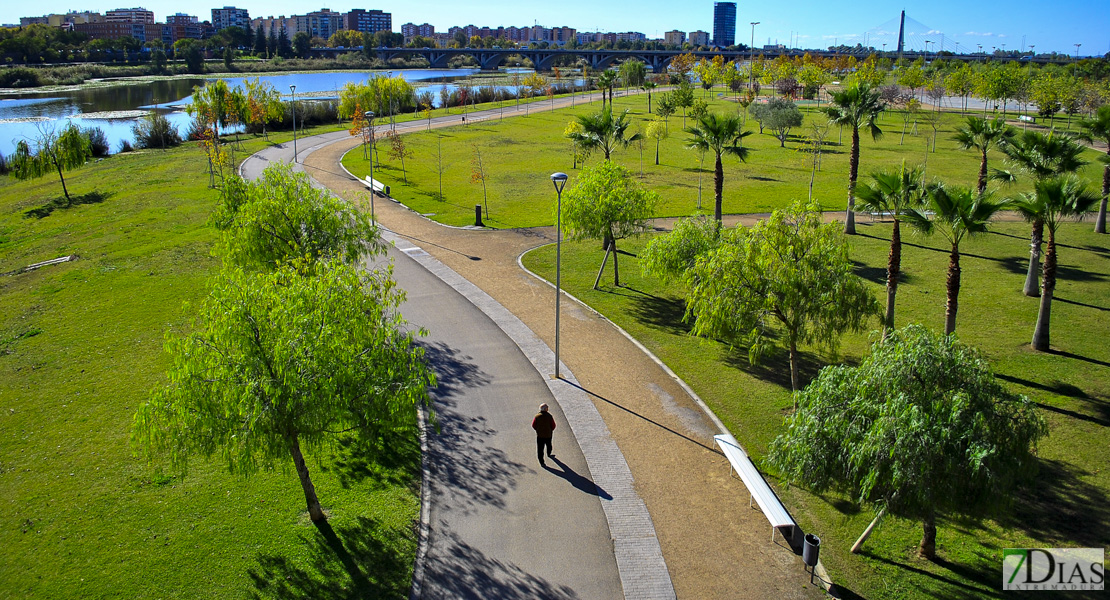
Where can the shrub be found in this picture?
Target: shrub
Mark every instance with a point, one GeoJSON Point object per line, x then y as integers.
{"type": "Point", "coordinates": [124, 146]}
{"type": "Point", "coordinates": [155, 131]}
{"type": "Point", "coordinates": [20, 77]}
{"type": "Point", "coordinates": [98, 140]}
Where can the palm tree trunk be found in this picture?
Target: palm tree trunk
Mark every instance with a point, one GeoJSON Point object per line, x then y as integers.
{"type": "Point", "coordinates": [853, 171]}
{"type": "Point", "coordinates": [953, 290]}
{"type": "Point", "coordinates": [983, 173]}
{"type": "Point", "coordinates": [928, 547]}
{"type": "Point", "coordinates": [1041, 332]}
{"type": "Point", "coordinates": [1100, 221]}
{"type": "Point", "coordinates": [1032, 287]}
{"type": "Point", "coordinates": [893, 266]}
{"type": "Point", "coordinates": [314, 511]}
{"type": "Point", "coordinates": [657, 152]}
{"type": "Point", "coordinates": [718, 187]}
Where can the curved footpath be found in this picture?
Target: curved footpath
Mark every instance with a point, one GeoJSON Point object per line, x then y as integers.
{"type": "Point", "coordinates": [498, 528]}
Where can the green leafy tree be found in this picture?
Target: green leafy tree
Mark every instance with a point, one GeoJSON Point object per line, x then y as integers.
{"type": "Point", "coordinates": [603, 131]}
{"type": "Point", "coordinates": [214, 103]}
{"type": "Point", "coordinates": [263, 103]}
{"type": "Point", "coordinates": [657, 130]}
{"type": "Point", "coordinates": [961, 82]}
{"type": "Point", "coordinates": [633, 73]}
{"type": "Point", "coordinates": [279, 362]}
{"type": "Point", "coordinates": [302, 43]}
{"type": "Point", "coordinates": [605, 82]}
{"type": "Point", "coordinates": [1041, 156]}
{"type": "Point", "coordinates": [721, 134]}
{"type": "Point", "coordinates": [665, 107]}
{"type": "Point", "coordinates": [786, 280]}
{"type": "Point", "coordinates": [192, 52]}
{"type": "Point", "coordinates": [673, 255]}
{"type": "Point", "coordinates": [782, 116]}
{"type": "Point", "coordinates": [607, 204]}
{"type": "Point", "coordinates": [855, 107]}
{"type": "Point", "coordinates": [50, 151]}
{"type": "Point", "coordinates": [982, 135]}
{"type": "Point", "coordinates": [893, 192]}
{"type": "Point", "coordinates": [912, 77]}
{"type": "Point", "coordinates": [683, 97]}
{"type": "Point", "coordinates": [921, 429]}
{"type": "Point", "coordinates": [1052, 201]}
{"type": "Point", "coordinates": [956, 213]}
{"type": "Point", "coordinates": [1098, 129]}
{"type": "Point", "coordinates": [281, 217]}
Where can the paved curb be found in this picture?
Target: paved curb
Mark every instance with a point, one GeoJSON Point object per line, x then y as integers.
{"type": "Point", "coordinates": [640, 564]}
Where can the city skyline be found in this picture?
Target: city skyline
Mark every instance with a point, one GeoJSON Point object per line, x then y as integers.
{"type": "Point", "coordinates": [1013, 25]}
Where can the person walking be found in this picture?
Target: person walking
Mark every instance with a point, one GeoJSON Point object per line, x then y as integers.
{"type": "Point", "coordinates": [544, 424]}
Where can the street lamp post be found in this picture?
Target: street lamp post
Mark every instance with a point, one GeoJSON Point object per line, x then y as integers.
{"type": "Point", "coordinates": [370, 118]}
{"type": "Point", "coordinates": [751, 56]}
{"type": "Point", "coordinates": [560, 181]}
{"type": "Point", "coordinates": [1075, 68]}
{"type": "Point", "coordinates": [927, 42]}
{"type": "Point", "coordinates": [293, 91]}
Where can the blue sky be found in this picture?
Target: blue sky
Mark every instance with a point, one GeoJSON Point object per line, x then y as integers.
{"type": "Point", "coordinates": [1048, 26]}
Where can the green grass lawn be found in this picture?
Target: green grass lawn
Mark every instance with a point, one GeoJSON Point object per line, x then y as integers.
{"type": "Point", "coordinates": [81, 349]}
{"type": "Point", "coordinates": [1067, 505]}
{"type": "Point", "coordinates": [520, 153]}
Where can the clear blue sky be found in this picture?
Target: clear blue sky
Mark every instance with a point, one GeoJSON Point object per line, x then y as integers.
{"type": "Point", "coordinates": [1057, 25]}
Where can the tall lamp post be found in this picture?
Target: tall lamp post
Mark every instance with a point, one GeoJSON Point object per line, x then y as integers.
{"type": "Point", "coordinates": [370, 118]}
{"type": "Point", "coordinates": [293, 91]}
{"type": "Point", "coordinates": [751, 56]}
{"type": "Point", "coordinates": [560, 181]}
{"type": "Point", "coordinates": [927, 42]}
{"type": "Point", "coordinates": [1075, 68]}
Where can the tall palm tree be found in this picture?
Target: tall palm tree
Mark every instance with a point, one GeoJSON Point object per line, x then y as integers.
{"type": "Point", "coordinates": [857, 106]}
{"type": "Point", "coordinates": [722, 134]}
{"type": "Point", "coordinates": [603, 130]}
{"type": "Point", "coordinates": [1042, 156]}
{"type": "Point", "coordinates": [893, 192]}
{"type": "Point", "coordinates": [605, 81]}
{"type": "Point", "coordinates": [956, 213]}
{"type": "Point", "coordinates": [981, 134]}
{"type": "Point", "coordinates": [1053, 200]}
{"type": "Point", "coordinates": [1098, 128]}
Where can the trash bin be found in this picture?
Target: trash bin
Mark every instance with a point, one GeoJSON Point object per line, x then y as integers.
{"type": "Point", "coordinates": [811, 548]}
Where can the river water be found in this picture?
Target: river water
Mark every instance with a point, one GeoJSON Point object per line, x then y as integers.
{"type": "Point", "coordinates": [116, 107]}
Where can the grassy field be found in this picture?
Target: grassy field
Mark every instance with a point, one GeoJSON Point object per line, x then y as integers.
{"type": "Point", "coordinates": [1065, 506]}
{"type": "Point", "coordinates": [80, 350]}
{"type": "Point", "coordinates": [520, 154]}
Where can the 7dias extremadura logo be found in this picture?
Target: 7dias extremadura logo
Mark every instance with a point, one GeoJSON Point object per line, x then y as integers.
{"type": "Point", "coordinates": [1053, 569]}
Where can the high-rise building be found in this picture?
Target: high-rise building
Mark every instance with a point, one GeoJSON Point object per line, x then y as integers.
{"type": "Point", "coordinates": [411, 30]}
{"type": "Point", "coordinates": [724, 24]}
{"type": "Point", "coordinates": [321, 23]}
{"type": "Point", "coordinates": [674, 38]}
{"type": "Point", "coordinates": [369, 21]}
{"type": "Point", "coordinates": [229, 16]}
{"type": "Point", "coordinates": [698, 38]}
{"type": "Point", "coordinates": [182, 19]}
{"type": "Point", "coordinates": [129, 15]}
{"type": "Point", "coordinates": [277, 25]}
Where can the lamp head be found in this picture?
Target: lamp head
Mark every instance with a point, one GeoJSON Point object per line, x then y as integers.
{"type": "Point", "coordinates": [369, 114]}
{"type": "Point", "coordinates": [293, 88]}
{"type": "Point", "coordinates": [560, 180]}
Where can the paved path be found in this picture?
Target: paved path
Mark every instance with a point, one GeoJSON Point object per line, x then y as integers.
{"type": "Point", "coordinates": [715, 546]}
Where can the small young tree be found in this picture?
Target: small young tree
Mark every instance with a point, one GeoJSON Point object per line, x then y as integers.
{"type": "Point", "coordinates": [360, 127]}
{"type": "Point", "coordinates": [478, 174]}
{"type": "Point", "coordinates": [50, 151]}
{"type": "Point", "coordinates": [665, 107]}
{"type": "Point", "coordinates": [399, 151]}
{"type": "Point", "coordinates": [782, 116]}
{"type": "Point", "coordinates": [683, 97]}
{"type": "Point", "coordinates": [786, 280]}
{"type": "Point", "coordinates": [605, 203]}
{"type": "Point", "coordinates": [920, 429]}
{"type": "Point", "coordinates": [657, 130]}
{"type": "Point", "coordinates": [440, 166]}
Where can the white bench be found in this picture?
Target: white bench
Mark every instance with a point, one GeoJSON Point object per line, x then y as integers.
{"type": "Point", "coordinates": [376, 186]}
{"type": "Point", "coordinates": [758, 488]}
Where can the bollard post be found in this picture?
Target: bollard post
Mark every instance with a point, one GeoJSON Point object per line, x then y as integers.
{"type": "Point", "coordinates": [478, 215]}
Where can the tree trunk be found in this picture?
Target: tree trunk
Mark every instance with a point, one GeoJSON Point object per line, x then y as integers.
{"type": "Point", "coordinates": [983, 173]}
{"type": "Point", "coordinates": [718, 187]}
{"type": "Point", "coordinates": [858, 546]}
{"type": "Point", "coordinates": [1100, 221]}
{"type": "Point", "coordinates": [657, 155]}
{"type": "Point", "coordinates": [62, 177]}
{"type": "Point", "coordinates": [597, 279]}
{"type": "Point", "coordinates": [928, 547]}
{"type": "Point", "coordinates": [1041, 332]}
{"type": "Point", "coordinates": [1032, 286]}
{"type": "Point", "coordinates": [893, 266]}
{"type": "Point", "coordinates": [314, 511]}
{"type": "Point", "coordinates": [794, 370]}
{"type": "Point", "coordinates": [649, 102]}
{"type": "Point", "coordinates": [953, 290]}
{"type": "Point", "coordinates": [853, 171]}
{"type": "Point", "coordinates": [616, 264]}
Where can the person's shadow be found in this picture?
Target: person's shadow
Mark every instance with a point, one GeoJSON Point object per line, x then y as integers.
{"type": "Point", "coordinates": [578, 481]}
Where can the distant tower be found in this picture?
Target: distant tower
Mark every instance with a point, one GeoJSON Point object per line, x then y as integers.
{"type": "Point", "coordinates": [724, 24]}
{"type": "Point", "coordinates": [901, 34]}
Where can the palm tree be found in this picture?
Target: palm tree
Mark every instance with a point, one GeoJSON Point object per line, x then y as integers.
{"type": "Point", "coordinates": [722, 134]}
{"type": "Point", "coordinates": [857, 106]}
{"type": "Point", "coordinates": [981, 134]}
{"type": "Point", "coordinates": [1097, 128]}
{"type": "Point", "coordinates": [956, 213]}
{"type": "Point", "coordinates": [1042, 156]}
{"type": "Point", "coordinates": [605, 81]}
{"type": "Point", "coordinates": [647, 87]}
{"type": "Point", "coordinates": [1053, 200]}
{"type": "Point", "coordinates": [893, 192]}
{"type": "Point", "coordinates": [603, 130]}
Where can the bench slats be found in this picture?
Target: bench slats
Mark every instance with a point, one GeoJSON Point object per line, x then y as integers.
{"type": "Point", "coordinates": [764, 496]}
{"type": "Point", "coordinates": [376, 185]}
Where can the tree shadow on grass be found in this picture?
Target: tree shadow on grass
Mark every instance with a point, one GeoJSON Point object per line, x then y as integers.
{"type": "Point", "coordinates": [1019, 265]}
{"type": "Point", "coordinates": [361, 560]}
{"type": "Point", "coordinates": [392, 459]}
{"type": "Point", "coordinates": [61, 203]}
{"type": "Point", "coordinates": [656, 311]}
{"type": "Point", "coordinates": [1060, 507]}
{"type": "Point", "coordinates": [775, 367]}
{"type": "Point", "coordinates": [955, 581]}
{"type": "Point", "coordinates": [877, 274]}
{"type": "Point", "coordinates": [1100, 408]}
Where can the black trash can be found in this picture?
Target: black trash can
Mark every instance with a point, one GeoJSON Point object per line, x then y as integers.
{"type": "Point", "coordinates": [811, 548]}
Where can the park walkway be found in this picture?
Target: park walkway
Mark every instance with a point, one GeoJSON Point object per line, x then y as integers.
{"type": "Point", "coordinates": [714, 545]}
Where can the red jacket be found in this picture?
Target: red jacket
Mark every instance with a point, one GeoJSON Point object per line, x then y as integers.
{"type": "Point", "coordinates": [544, 424]}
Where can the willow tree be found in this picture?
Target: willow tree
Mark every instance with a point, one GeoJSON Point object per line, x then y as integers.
{"type": "Point", "coordinates": [51, 151]}
{"type": "Point", "coordinates": [921, 429]}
